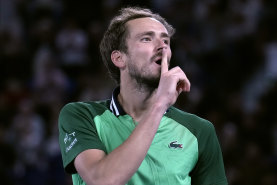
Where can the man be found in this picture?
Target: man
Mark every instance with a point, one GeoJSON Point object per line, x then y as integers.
{"type": "Point", "coordinates": [137, 137]}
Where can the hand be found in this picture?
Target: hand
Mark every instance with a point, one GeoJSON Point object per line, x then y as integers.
{"type": "Point", "coordinates": [172, 83]}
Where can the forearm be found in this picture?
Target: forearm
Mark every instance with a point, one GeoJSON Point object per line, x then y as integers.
{"type": "Point", "coordinates": [120, 165]}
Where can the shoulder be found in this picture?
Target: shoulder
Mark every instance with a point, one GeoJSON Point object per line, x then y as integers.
{"type": "Point", "coordinates": [79, 113]}
{"type": "Point", "coordinates": [77, 130]}
{"type": "Point", "coordinates": [85, 107]}
{"type": "Point", "coordinates": [194, 123]}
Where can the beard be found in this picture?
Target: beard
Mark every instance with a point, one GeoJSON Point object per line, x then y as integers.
{"type": "Point", "coordinates": [144, 78]}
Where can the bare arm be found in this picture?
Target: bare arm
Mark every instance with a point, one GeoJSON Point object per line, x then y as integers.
{"type": "Point", "coordinates": [95, 167]}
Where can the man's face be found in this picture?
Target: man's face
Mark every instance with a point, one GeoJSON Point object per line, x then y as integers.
{"type": "Point", "coordinates": [145, 42]}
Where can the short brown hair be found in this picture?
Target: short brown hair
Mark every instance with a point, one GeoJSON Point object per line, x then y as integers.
{"type": "Point", "coordinates": [117, 32]}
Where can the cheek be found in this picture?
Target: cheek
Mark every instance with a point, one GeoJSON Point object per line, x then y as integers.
{"type": "Point", "coordinates": [141, 54]}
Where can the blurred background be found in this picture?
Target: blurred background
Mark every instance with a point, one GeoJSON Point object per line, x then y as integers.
{"type": "Point", "coordinates": [49, 56]}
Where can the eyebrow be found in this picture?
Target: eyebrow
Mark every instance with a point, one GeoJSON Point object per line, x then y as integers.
{"type": "Point", "coordinates": [151, 33]}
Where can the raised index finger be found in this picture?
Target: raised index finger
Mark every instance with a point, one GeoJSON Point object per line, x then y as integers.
{"type": "Point", "coordinates": [164, 63]}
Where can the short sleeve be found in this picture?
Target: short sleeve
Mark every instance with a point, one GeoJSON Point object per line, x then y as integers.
{"type": "Point", "coordinates": [77, 132]}
{"type": "Point", "coordinates": [209, 169]}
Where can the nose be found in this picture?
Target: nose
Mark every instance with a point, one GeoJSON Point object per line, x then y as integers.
{"type": "Point", "coordinates": [161, 45]}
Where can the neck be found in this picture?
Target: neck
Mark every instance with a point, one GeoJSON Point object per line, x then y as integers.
{"type": "Point", "coordinates": [135, 98]}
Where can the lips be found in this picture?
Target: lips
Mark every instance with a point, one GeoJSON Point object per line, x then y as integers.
{"type": "Point", "coordinates": [158, 61]}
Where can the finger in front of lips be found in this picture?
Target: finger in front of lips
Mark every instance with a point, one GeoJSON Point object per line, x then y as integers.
{"type": "Point", "coordinates": [164, 64]}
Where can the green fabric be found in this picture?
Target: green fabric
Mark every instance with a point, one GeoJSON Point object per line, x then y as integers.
{"type": "Point", "coordinates": [193, 157]}
{"type": "Point", "coordinates": [209, 169]}
{"type": "Point", "coordinates": [162, 165]}
{"type": "Point", "coordinates": [77, 118]}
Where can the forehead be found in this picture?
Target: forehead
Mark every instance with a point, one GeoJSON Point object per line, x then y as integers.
{"type": "Point", "coordinates": [139, 25]}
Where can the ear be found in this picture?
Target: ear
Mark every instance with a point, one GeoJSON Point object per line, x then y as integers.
{"type": "Point", "coordinates": [117, 59]}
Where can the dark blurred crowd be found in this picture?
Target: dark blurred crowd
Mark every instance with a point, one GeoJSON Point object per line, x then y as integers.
{"type": "Point", "coordinates": [49, 56]}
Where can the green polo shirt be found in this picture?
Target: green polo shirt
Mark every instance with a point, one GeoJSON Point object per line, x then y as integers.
{"type": "Point", "coordinates": [185, 149]}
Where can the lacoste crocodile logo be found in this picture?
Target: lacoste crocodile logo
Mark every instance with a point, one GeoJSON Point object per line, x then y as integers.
{"type": "Point", "coordinates": [174, 144]}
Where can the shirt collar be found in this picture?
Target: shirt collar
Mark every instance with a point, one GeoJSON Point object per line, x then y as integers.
{"type": "Point", "coordinates": [115, 106]}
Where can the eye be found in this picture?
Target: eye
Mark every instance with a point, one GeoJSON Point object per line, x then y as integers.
{"type": "Point", "coordinates": [146, 39]}
{"type": "Point", "coordinates": [166, 41]}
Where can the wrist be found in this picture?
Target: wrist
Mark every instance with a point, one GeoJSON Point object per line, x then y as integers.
{"type": "Point", "coordinates": [159, 107]}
